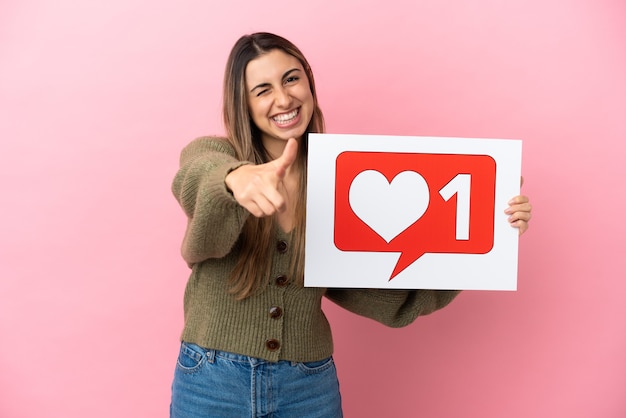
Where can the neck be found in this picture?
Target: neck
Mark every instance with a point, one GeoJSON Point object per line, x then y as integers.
{"type": "Point", "coordinates": [275, 146]}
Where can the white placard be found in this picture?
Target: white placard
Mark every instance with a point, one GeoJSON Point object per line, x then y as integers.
{"type": "Point", "coordinates": [411, 212]}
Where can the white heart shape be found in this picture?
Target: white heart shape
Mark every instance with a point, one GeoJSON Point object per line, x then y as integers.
{"type": "Point", "coordinates": [389, 208]}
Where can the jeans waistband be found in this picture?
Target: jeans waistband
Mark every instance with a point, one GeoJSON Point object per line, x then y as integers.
{"type": "Point", "coordinates": [239, 358]}
{"type": "Point", "coordinates": [211, 354]}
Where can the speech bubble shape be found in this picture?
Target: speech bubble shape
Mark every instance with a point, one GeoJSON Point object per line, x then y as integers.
{"type": "Point", "coordinates": [460, 212]}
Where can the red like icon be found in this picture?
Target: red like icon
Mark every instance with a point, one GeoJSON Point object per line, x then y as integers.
{"type": "Point", "coordinates": [414, 204]}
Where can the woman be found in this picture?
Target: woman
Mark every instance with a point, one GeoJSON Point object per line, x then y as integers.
{"type": "Point", "coordinates": [255, 341]}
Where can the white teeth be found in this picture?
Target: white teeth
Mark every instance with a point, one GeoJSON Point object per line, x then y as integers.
{"type": "Point", "coordinates": [286, 117]}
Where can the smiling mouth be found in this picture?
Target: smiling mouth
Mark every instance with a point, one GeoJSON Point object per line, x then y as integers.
{"type": "Point", "coordinates": [286, 118]}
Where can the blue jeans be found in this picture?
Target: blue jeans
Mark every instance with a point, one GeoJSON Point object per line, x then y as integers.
{"type": "Point", "coordinates": [211, 383]}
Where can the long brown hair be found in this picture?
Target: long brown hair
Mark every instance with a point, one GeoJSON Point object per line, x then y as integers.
{"type": "Point", "coordinates": [252, 270]}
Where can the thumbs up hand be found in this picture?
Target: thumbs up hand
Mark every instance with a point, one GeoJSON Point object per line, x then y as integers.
{"type": "Point", "coordinates": [259, 188]}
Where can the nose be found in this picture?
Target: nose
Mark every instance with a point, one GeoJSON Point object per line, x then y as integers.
{"type": "Point", "coordinates": [283, 98]}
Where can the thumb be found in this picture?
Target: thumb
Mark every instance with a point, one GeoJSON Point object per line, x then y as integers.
{"type": "Point", "coordinates": [287, 158]}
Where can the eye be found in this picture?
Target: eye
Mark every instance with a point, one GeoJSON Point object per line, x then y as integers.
{"type": "Point", "coordinates": [262, 92]}
{"type": "Point", "coordinates": [291, 79]}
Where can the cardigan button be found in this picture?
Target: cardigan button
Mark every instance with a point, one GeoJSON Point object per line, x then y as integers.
{"type": "Point", "coordinates": [281, 246]}
{"type": "Point", "coordinates": [276, 312]}
{"type": "Point", "coordinates": [272, 344]}
{"type": "Point", "coordinates": [282, 281]}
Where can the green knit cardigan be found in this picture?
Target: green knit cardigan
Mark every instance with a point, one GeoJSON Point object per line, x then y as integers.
{"type": "Point", "coordinates": [284, 321]}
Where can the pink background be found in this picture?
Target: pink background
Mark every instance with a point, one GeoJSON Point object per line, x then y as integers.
{"type": "Point", "coordinates": [97, 98]}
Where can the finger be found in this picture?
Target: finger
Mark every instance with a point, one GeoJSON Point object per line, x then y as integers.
{"type": "Point", "coordinates": [524, 207]}
{"type": "Point", "coordinates": [268, 197]}
{"type": "Point", "coordinates": [521, 181]}
{"type": "Point", "coordinates": [518, 199]}
{"type": "Point", "coordinates": [518, 203]}
{"type": "Point", "coordinates": [287, 158]}
{"type": "Point", "coordinates": [275, 200]}
{"type": "Point", "coordinates": [517, 216]}
{"type": "Point", "coordinates": [260, 207]}
{"type": "Point", "coordinates": [522, 226]}
{"type": "Point", "coordinates": [254, 210]}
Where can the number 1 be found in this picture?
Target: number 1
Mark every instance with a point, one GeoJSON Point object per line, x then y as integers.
{"type": "Point", "coordinates": [460, 185]}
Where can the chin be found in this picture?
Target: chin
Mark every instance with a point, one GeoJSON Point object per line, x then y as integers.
{"type": "Point", "coordinates": [292, 134]}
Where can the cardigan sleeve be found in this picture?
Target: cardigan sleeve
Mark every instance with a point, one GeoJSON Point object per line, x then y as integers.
{"type": "Point", "coordinates": [394, 308]}
{"type": "Point", "coordinates": [214, 218]}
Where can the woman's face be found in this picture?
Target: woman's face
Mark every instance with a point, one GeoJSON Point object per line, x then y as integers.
{"type": "Point", "coordinates": [280, 101]}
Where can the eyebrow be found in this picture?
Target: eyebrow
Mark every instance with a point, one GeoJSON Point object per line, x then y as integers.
{"type": "Point", "coordinates": [285, 75]}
